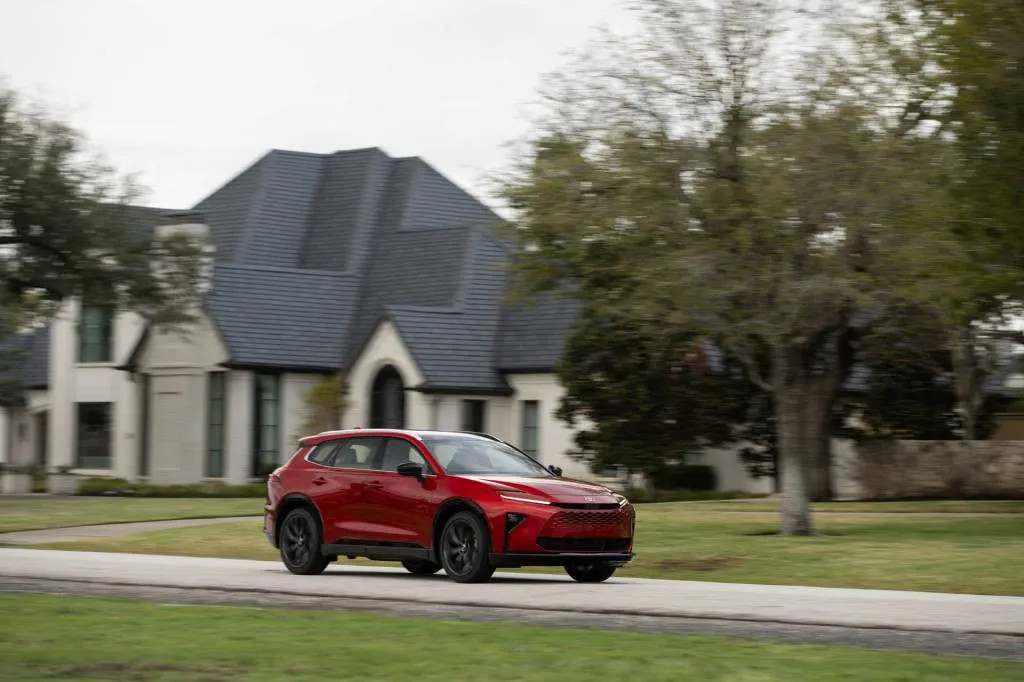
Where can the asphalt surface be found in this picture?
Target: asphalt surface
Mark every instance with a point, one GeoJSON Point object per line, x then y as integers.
{"type": "Point", "coordinates": [927, 622]}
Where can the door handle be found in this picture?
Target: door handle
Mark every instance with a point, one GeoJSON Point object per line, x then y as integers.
{"type": "Point", "coordinates": [319, 480]}
{"type": "Point", "coordinates": [374, 484]}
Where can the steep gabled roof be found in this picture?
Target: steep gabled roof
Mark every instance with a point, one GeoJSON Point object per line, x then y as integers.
{"type": "Point", "coordinates": [313, 250]}
{"type": "Point", "coordinates": [282, 318]}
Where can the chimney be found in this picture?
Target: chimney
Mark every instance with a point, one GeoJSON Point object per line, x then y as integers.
{"type": "Point", "coordinates": [192, 224]}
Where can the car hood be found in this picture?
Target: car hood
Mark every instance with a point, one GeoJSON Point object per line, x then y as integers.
{"type": "Point", "coordinates": [554, 489]}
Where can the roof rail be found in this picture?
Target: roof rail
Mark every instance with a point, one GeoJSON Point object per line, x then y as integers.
{"type": "Point", "coordinates": [483, 435]}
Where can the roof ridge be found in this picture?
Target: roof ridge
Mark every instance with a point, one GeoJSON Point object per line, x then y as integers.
{"type": "Point", "coordinates": [282, 268]}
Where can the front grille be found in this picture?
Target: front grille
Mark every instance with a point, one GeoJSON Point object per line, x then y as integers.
{"type": "Point", "coordinates": [569, 521]}
{"type": "Point", "coordinates": [586, 505]}
{"type": "Point", "coordinates": [584, 544]}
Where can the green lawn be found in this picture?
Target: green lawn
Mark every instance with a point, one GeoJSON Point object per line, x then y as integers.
{"type": "Point", "coordinates": [32, 514]}
{"type": "Point", "coordinates": [942, 553]}
{"type": "Point", "coordinates": [45, 637]}
{"type": "Point", "coordinates": [47, 512]}
{"type": "Point", "coordinates": [906, 507]}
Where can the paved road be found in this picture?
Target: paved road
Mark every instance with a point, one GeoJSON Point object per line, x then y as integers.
{"type": "Point", "coordinates": [919, 611]}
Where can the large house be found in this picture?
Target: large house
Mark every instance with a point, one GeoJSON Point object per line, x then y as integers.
{"type": "Point", "coordinates": [354, 262]}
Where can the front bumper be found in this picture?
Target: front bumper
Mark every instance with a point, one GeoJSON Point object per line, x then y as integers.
{"type": "Point", "coordinates": [517, 559]}
{"type": "Point", "coordinates": [269, 529]}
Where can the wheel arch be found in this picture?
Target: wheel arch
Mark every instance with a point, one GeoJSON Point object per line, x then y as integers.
{"type": "Point", "coordinates": [450, 508]}
{"type": "Point", "coordinates": [290, 503]}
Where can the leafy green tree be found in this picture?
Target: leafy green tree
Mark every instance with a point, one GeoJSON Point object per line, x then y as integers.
{"type": "Point", "coordinates": [769, 200]}
{"type": "Point", "coordinates": [640, 400]}
{"type": "Point", "coordinates": [67, 229]}
{"type": "Point", "coordinates": [960, 63]}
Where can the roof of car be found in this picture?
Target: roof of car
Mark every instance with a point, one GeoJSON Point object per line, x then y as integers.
{"type": "Point", "coordinates": [417, 434]}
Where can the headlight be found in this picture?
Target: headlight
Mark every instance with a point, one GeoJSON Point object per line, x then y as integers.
{"type": "Point", "coordinates": [621, 498]}
{"type": "Point", "coordinates": [514, 496]}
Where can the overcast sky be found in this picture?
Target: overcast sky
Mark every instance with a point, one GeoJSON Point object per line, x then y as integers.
{"type": "Point", "coordinates": [187, 93]}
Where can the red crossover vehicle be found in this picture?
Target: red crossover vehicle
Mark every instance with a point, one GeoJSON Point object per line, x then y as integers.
{"type": "Point", "coordinates": [467, 503]}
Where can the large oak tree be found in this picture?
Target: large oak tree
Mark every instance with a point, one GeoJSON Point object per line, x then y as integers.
{"type": "Point", "coordinates": [772, 199]}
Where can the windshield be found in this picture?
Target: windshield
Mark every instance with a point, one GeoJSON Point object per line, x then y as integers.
{"type": "Point", "coordinates": [476, 455]}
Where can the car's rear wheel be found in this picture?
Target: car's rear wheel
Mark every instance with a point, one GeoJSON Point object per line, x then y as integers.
{"type": "Point", "coordinates": [590, 573]}
{"type": "Point", "coordinates": [300, 543]}
{"type": "Point", "coordinates": [421, 567]}
{"type": "Point", "coordinates": [464, 549]}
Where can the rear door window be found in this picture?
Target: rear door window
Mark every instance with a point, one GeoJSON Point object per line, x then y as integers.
{"type": "Point", "coordinates": [354, 453]}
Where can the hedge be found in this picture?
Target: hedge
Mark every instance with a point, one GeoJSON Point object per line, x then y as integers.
{"type": "Point", "coordinates": [119, 486]}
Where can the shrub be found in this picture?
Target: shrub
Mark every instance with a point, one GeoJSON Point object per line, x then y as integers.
{"type": "Point", "coordinates": [119, 486]}
{"type": "Point", "coordinates": [685, 477]}
{"type": "Point", "coordinates": [681, 495]}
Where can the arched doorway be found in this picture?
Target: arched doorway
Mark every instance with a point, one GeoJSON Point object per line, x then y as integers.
{"type": "Point", "coordinates": [387, 400]}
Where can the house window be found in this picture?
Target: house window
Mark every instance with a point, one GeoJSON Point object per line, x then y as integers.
{"type": "Point", "coordinates": [93, 436]}
{"type": "Point", "coordinates": [530, 436]}
{"type": "Point", "coordinates": [473, 413]}
{"type": "Point", "coordinates": [95, 333]}
{"type": "Point", "coordinates": [266, 442]}
{"type": "Point", "coordinates": [215, 412]}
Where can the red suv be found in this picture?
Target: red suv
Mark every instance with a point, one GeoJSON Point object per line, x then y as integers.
{"type": "Point", "coordinates": [467, 503]}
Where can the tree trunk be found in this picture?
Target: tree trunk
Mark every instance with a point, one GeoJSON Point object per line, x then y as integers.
{"type": "Point", "coordinates": [968, 389]}
{"type": "Point", "coordinates": [820, 464]}
{"type": "Point", "coordinates": [803, 404]}
{"type": "Point", "coordinates": [796, 510]}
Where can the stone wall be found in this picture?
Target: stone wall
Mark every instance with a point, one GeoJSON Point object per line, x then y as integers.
{"type": "Point", "coordinates": [902, 469]}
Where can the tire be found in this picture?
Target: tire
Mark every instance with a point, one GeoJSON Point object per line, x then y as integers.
{"type": "Point", "coordinates": [421, 567]}
{"type": "Point", "coordinates": [465, 549]}
{"type": "Point", "coordinates": [590, 573]}
{"type": "Point", "coordinates": [299, 543]}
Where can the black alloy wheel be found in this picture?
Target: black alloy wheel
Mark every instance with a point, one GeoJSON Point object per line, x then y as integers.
{"type": "Point", "coordinates": [421, 567]}
{"type": "Point", "coordinates": [300, 544]}
{"type": "Point", "coordinates": [465, 548]}
{"type": "Point", "coordinates": [590, 573]}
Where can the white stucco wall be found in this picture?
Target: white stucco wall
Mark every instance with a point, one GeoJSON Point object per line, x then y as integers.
{"type": "Point", "coordinates": [178, 362]}
{"type": "Point", "coordinates": [732, 473]}
{"type": "Point", "coordinates": [294, 409]}
{"type": "Point", "coordinates": [238, 431]}
{"type": "Point", "coordinates": [555, 439]}
{"type": "Point", "coordinates": [385, 347]}
{"type": "Point", "coordinates": [72, 382]}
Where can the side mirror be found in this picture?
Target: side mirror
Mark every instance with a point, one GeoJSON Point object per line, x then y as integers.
{"type": "Point", "coordinates": [557, 471]}
{"type": "Point", "coordinates": [411, 469]}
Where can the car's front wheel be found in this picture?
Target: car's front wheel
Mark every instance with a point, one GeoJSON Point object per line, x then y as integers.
{"type": "Point", "coordinates": [421, 567]}
{"type": "Point", "coordinates": [300, 544]}
{"type": "Point", "coordinates": [590, 573]}
{"type": "Point", "coordinates": [464, 549]}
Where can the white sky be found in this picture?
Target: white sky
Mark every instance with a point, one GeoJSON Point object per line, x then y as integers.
{"type": "Point", "coordinates": [188, 92]}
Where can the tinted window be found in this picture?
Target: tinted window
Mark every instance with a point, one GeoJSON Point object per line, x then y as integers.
{"type": "Point", "coordinates": [322, 453]}
{"type": "Point", "coordinates": [354, 453]}
{"type": "Point", "coordinates": [476, 455]}
{"type": "Point", "coordinates": [398, 451]}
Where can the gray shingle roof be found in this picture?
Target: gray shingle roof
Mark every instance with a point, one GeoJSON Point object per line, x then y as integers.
{"type": "Point", "coordinates": [25, 359]}
{"type": "Point", "coordinates": [281, 317]}
{"type": "Point", "coordinates": [533, 332]}
{"type": "Point", "coordinates": [314, 250]}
